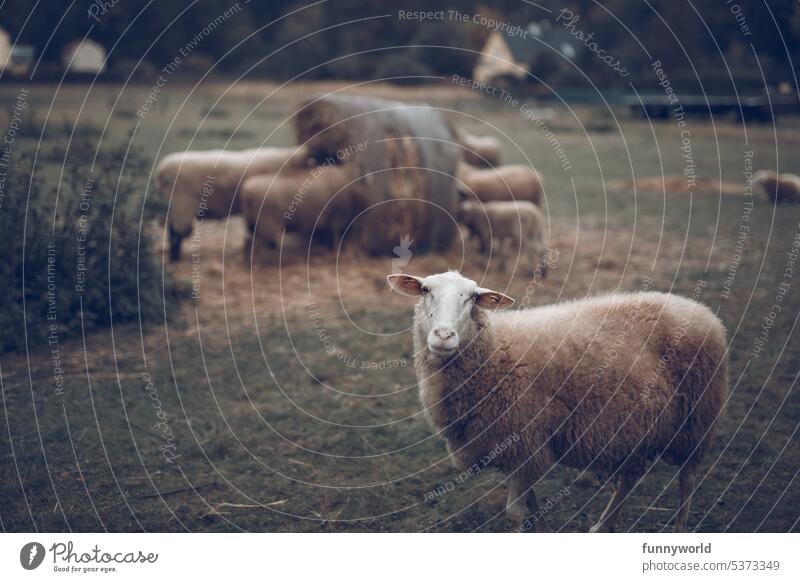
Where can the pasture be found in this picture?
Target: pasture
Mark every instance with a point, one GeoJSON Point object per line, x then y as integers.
{"type": "Point", "coordinates": [286, 399]}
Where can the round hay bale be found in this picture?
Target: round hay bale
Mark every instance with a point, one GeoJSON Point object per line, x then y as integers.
{"type": "Point", "coordinates": [405, 158]}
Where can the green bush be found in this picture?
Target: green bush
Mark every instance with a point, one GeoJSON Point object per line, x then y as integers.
{"type": "Point", "coordinates": [76, 249]}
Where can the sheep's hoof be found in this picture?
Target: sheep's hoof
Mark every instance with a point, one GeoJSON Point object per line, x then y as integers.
{"type": "Point", "coordinates": [540, 526]}
{"type": "Point", "coordinates": [515, 522]}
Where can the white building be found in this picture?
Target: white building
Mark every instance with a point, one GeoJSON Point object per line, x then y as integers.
{"type": "Point", "coordinates": [5, 49]}
{"type": "Point", "coordinates": [83, 56]}
{"type": "Point", "coordinates": [15, 59]}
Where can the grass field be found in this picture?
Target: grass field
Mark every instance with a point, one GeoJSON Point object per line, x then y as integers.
{"type": "Point", "coordinates": [285, 395]}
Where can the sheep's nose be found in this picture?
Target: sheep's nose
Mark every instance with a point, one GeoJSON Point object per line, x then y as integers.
{"type": "Point", "coordinates": [443, 340]}
{"type": "Point", "coordinates": [444, 334]}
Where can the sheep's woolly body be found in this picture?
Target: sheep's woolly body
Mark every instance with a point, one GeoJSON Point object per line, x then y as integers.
{"type": "Point", "coordinates": [504, 183]}
{"type": "Point", "coordinates": [315, 201]}
{"type": "Point", "coordinates": [211, 178]}
{"type": "Point", "coordinates": [520, 222]}
{"type": "Point", "coordinates": [605, 383]}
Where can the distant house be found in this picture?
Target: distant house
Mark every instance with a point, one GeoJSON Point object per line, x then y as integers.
{"type": "Point", "coordinates": [5, 49]}
{"type": "Point", "coordinates": [515, 55]}
{"type": "Point", "coordinates": [15, 59]}
{"type": "Point", "coordinates": [83, 57]}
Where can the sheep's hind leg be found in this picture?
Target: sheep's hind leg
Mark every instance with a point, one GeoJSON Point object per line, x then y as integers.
{"type": "Point", "coordinates": [537, 521]}
{"type": "Point", "coordinates": [608, 520]}
{"type": "Point", "coordinates": [686, 484]}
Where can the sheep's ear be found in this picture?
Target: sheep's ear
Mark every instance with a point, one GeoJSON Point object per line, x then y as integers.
{"type": "Point", "coordinates": [406, 284]}
{"type": "Point", "coordinates": [489, 299]}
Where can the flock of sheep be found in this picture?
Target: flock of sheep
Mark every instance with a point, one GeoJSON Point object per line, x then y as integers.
{"type": "Point", "coordinates": [609, 383]}
{"type": "Point", "coordinates": [288, 189]}
{"type": "Point", "coordinates": [279, 190]}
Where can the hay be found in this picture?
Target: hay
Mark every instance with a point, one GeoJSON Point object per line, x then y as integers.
{"type": "Point", "coordinates": [405, 158]}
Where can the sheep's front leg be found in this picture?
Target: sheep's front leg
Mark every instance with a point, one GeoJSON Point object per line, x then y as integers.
{"type": "Point", "coordinates": [686, 488]}
{"type": "Point", "coordinates": [608, 520]}
{"type": "Point", "coordinates": [248, 247]}
{"type": "Point", "coordinates": [175, 240]}
{"type": "Point", "coordinates": [517, 502]}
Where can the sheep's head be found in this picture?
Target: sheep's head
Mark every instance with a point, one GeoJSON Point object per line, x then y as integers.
{"type": "Point", "coordinates": [446, 313]}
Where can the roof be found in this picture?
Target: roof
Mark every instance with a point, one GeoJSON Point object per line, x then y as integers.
{"type": "Point", "coordinates": [79, 43]}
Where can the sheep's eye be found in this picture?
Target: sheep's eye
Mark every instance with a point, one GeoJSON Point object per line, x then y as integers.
{"type": "Point", "coordinates": [425, 290]}
{"type": "Point", "coordinates": [474, 296]}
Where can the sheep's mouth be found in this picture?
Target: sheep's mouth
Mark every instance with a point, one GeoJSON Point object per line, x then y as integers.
{"type": "Point", "coordinates": [442, 351]}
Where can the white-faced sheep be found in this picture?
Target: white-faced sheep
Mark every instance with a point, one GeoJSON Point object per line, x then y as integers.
{"type": "Point", "coordinates": [607, 383]}
{"type": "Point", "coordinates": [311, 202]}
{"type": "Point", "coordinates": [778, 187]}
{"type": "Point", "coordinates": [502, 184]}
{"type": "Point", "coordinates": [204, 183]}
{"type": "Point", "coordinates": [520, 223]}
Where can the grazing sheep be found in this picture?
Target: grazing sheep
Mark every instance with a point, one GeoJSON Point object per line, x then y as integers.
{"type": "Point", "coordinates": [204, 183]}
{"type": "Point", "coordinates": [778, 187]}
{"type": "Point", "coordinates": [479, 150]}
{"type": "Point", "coordinates": [520, 222]}
{"type": "Point", "coordinates": [311, 202]}
{"type": "Point", "coordinates": [502, 184]}
{"type": "Point", "coordinates": [606, 383]}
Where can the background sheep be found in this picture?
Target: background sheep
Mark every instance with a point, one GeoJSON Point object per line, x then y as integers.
{"type": "Point", "coordinates": [314, 201]}
{"type": "Point", "coordinates": [606, 383]}
{"type": "Point", "coordinates": [505, 183]}
{"type": "Point", "coordinates": [479, 150]}
{"type": "Point", "coordinates": [778, 187]}
{"type": "Point", "coordinates": [204, 183]}
{"type": "Point", "coordinates": [521, 223]}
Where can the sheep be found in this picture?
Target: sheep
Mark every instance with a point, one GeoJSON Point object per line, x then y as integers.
{"type": "Point", "coordinates": [505, 183]}
{"type": "Point", "coordinates": [478, 150]}
{"type": "Point", "coordinates": [204, 183]}
{"type": "Point", "coordinates": [311, 202]}
{"type": "Point", "coordinates": [778, 187]}
{"type": "Point", "coordinates": [606, 383]}
{"type": "Point", "coordinates": [520, 222]}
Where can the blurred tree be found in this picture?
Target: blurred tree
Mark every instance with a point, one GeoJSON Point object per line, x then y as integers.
{"type": "Point", "coordinates": [366, 33]}
{"type": "Point", "coordinates": [446, 47]}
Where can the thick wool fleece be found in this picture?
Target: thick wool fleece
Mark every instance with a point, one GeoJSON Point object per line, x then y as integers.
{"type": "Point", "coordinates": [604, 383]}
{"type": "Point", "coordinates": [307, 201]}
{"type": "Point", "coordinates": [504, 183]}
{"type": "Point", "coordinates": [520, 222]}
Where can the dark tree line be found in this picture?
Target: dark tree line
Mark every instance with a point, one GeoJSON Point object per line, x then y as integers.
{"type": "Point", "coordinates": [355, 39]}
